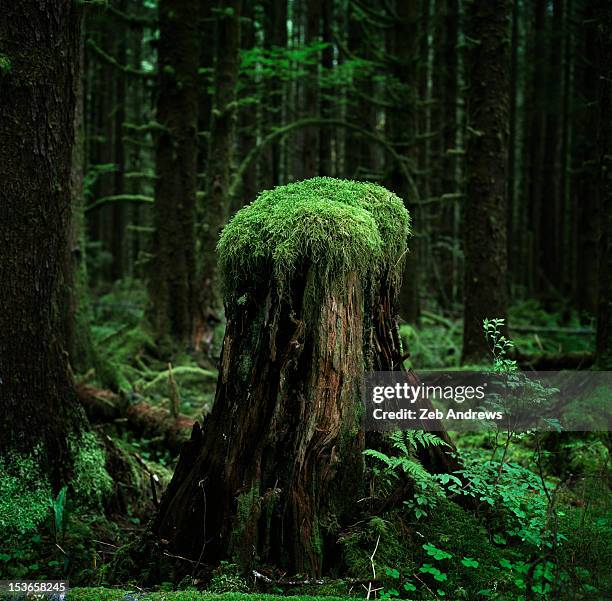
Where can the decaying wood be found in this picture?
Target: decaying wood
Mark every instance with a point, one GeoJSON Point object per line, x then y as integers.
{"type": "Point", "coordinates": [142, 418]}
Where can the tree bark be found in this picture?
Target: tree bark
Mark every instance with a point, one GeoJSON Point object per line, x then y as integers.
{"type": "Point", "coordinates": [119, 210]}
{"type": "Point", "coordinates": [404, 48]}
{"type": "Point", "coordinates": [585, 182]}
{"type": "Point", "coordinates": [327, 63]}
{"type": "Point", "coordinates": [39, 46]}
{"type": "Point", "coordinates": [310, 148]}
{"type": "Point", "coordinates": [485, 216]}
{"type": "Point", "coordinates": [603, 12]}
{"type": "Point", "coordinates": [173, 270]}
{"type": "Point", "coordinates": [217, 201]}
{"type": "Point", "coordinates": [275, 31]}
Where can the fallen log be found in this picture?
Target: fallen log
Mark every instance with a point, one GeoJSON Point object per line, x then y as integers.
{"type": "Point", "coordinates": [142, 418]}
{"type": "Point", "coordinates": [554, 361]}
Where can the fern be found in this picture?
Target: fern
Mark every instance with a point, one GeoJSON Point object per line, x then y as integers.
{"type": "Point", "coordinates": [407, 443]}
{"type": "Point", "coordinates": [426, 489]}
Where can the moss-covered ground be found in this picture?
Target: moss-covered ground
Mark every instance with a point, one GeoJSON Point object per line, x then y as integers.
{"type": "Point", "coordinates": [102, 594]}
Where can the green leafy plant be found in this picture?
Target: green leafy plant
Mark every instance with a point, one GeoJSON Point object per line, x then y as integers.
{"type": "Point", "coordinates": [406, 463]}
{"type": "Point", "coordinates": [58, 509]}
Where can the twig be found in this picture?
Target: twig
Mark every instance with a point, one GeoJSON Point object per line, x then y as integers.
{"type": "Point", "coordinates": [175, 399]}
{"type": "Point", "coordinates": [369, 589]}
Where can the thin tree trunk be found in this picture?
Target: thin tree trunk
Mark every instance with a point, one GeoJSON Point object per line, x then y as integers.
{"type": "Point", "coordinates": [603, 12]}
{"type": "Point", "coordinates": [173, 270]}
{"type": "Point", "coordinates": [275, 31]}
{"type": "Point", "coordinates": [327, 58]}
{"type": "Point", "coordinates": [217, 201]}
{"type": "Point", "coordinates": [310, 149]}
{"type": "Point", "coordinates": [248, 118]}
{"type": "Point", "coordinates": [585, 189]}
{"type": "Point", "coordinates": [402, 129]}
{"type": "Point", "coordinates": [485, 216]}
{"type": "Point", "coordinates": [119, 210]}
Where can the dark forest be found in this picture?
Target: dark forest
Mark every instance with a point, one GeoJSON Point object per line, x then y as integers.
{"type": "Point", "coordinates": [219, 220]}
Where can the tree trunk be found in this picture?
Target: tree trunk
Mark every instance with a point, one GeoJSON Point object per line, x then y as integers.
{"type": "Point", "coordinates": [536, 134]}
{"type": "Point", "coordinates": [275, 31]}
{"type": "Point", "coordinates": [327, 63]}
{"type": "Point", "coordinates": [173, 269]}
{"type": "Point", "coordinates": [119, 210]}
{"type": "Point", "coordinates": [40, 45]}
{"type": "Point", "coordinates": [217, 201]}
{"type": "Point", "coordinates": [310, 148]}
{"type": "Point", "coordinates": [585, 188]}
{"type": "Point", "coordinates": [276, 470]}
{"type": "Point", "coordinates": [485, 217]}
{"type": "Point", "coordinates": [404, 47]}
{"type": "Point", "coordinates": [248, 118]}
{"type": "Point", "coordinates": [603, 12]}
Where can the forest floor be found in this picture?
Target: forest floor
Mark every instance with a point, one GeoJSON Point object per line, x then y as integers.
{"type": "Point", "coordinates": [544, 513]}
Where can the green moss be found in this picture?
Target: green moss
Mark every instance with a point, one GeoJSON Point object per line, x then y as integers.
{"type": "Point", "coordinates": [101, 594]}
{"type": "Point", "coordinates": [5, 64]}
{"type": "Point", "coordinates": [384, 535]}
{"type": "Point", "coordinates": [338, 226]}
{"type": "Point", "coordinates": [24, 494]}
{"type": "Point", "coordinates": [247, 514]}
{"type": "Point", "coordinates": [227, 579]}
{"type": "Point", "coordinates": [91, 481]}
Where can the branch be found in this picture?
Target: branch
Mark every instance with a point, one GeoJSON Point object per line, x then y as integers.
{"type": "Point", "coordinates": [281, 132]}
{"type": "Point", "coordinates": [138, 198]}
{"type": "Point", "coordinates": [145, 127]}
{"type": "Point", "coordinates": [108, 59]}
{"type": "Point", "coordinates": [131, 19]}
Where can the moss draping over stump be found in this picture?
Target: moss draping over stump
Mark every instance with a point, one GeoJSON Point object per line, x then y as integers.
{"type": "Point", "coordinates": [338, 226]}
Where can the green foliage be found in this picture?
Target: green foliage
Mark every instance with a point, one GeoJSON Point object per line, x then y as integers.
{"type": "Point", "coordinates": [91, 482]}
{"type": "Point", "coordinates": [499, 345]}
{"type": "Point", "coordinates": [58, 507]}
{"type": "Point", "coordinates": [383, 535]}
{"type": "Point", "coordinates": [227, 579]}
{"type": "Point", "coordinates": [5, 64]}
{"type": "Point", "coordinates": [338, 226]}
{"type": "Point", "coordinates": [101, 594]}
{"type": "Point", "coordinates": [24, 494]}
{"type": "Point", "coordinates": [559, 338]}
{"type": "Point", "coordinates": [426, 490]}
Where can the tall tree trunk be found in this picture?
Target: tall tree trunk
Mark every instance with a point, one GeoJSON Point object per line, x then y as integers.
{"type": "Point", "coordinates": [359, 161]}
{"type": "Point", "coordinates": [550, 204]}
{"type": "Point", "coordinates": [310, 148]}
{"type": "Point", "coordinates": [404, 46]}
{"type": "Point", "coordinates": [586, 189]}
{"type": "Point", "coordinates": [275, 36]}
{"type": "Point", "coordinates": [603, 12]}
{"type": "Point", "coordinates": [119, 210]}
{"type": "Point", "coordinates": [248, 118]}
{"type": "Point", "coordinates": [173, 269]}
{"type": "Point", "coordinates": [39, 46]}
{"type": "Point", "coordinates": [445, 176]}
{"type": "Point", "coordinates": [76, 311]}
{"type": "Point", "coordinates": [536, 134]}
{"type": "Point", "coordinates": [485, 216]}
{"type": "Point", "coordinates": [220, 154]}
{"type": "Point", "coordinates": [327, 62]}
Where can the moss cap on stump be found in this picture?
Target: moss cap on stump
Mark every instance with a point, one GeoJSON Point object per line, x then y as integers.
{"type": "Point", "coordinates": [338, 226]}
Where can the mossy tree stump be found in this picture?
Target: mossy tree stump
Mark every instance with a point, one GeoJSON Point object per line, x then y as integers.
{"type": "Point", "coordinates": [310, 271]}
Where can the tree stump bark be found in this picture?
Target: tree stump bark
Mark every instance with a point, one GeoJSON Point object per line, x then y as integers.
{"type": "Point", "coordinates": [311, 274]}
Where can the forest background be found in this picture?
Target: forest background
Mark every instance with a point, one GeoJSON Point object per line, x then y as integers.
{"type": "Point", "coordinates": [160, 120]}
